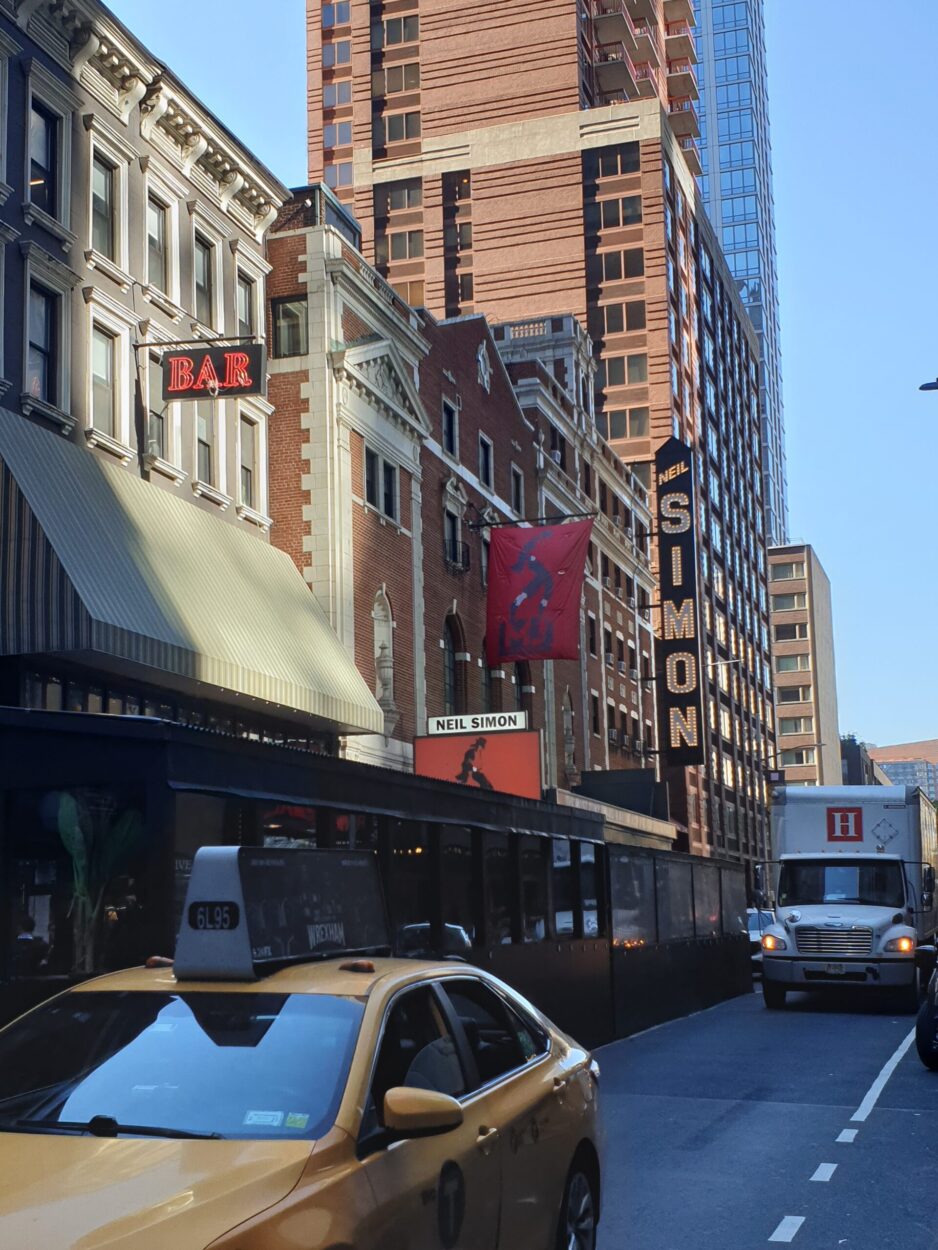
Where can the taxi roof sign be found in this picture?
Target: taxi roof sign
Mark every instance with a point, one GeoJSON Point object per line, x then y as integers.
{"type": "Point", "coordinates": [250, 909]}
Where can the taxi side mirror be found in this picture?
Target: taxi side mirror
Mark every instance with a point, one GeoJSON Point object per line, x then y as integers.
{"type": "Point", "coordinates": [420, 1112]}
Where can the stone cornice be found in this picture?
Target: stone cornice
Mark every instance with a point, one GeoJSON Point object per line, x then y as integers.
{"type": "Point", "coordinates": [119, 72]}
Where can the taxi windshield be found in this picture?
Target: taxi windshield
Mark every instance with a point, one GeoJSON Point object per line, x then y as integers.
{"type": "Point", "coordinates": [240, 1065]}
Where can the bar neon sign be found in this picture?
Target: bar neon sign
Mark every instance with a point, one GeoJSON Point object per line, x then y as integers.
{"type": "Point", "coordinates": [201, 372]}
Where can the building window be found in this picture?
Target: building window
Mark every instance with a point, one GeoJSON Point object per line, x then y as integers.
{"type": "Point", "coordinates": [381, 484]}
{"type": "Point", "coordinates": [102, 206]}
{"type": "Point", "coordinates": [485, 681]}
{"type": "Point", "coordinates": [337, 93]}
{"type": "Point", "coordinates": [796, 724]}
{"type": "Point", "coordinates": [247, 288]}
{"type": "Point", "coordinates": [248, 461]}
{"type": "Point", "coordinates": [204, 281]}
{"type": "Point", "coordinates": [290, 327]}
{"type": "Point", "coordinates": [485, 461]}
{"type": "Point", "coordinates": [401, 245]}
{"type": "Point", "coordinates": [453, 692]}
{"type": "Point", "coordinates": [635, 315]}
{"type": "Point", "coordinates": [637, 369]}
{"type": "Point", "coordinates": [389, 490]}
{"type": "Point", "coordinates": [788, 571]}
{"type": "Point", "coordinates": [339, 175]}
{"type": "Point", "coordinates": [517, 491]}
{"type": "Point", "coordinates": [205, 441]}
{"type": "Point", "coordinates": [398, 196]}
{"type": "Point", "coordinates": [42, 365]}
{"type": "Point", "coordinates": [466, 287]}
{"type": "Point", "coordinates": [337, 135]}
{"type": "Point", "coordinates": [591, 634]}
{"type": "Point", "coordinates": [394, 79]}
{"type": "Point", "coordinates": [792, 663]}
{"type": "Point", "coordinates": [798, 757]}
{"type": "Point", "coordinates": [396, 30]}
{"type": "Point", "coordinates": [594, 715]}
{"type": "Point", "coordinates": [789, 603]}
{"type": "Point", "coordinates": [335, 14]}
{"type": "Point", "coordinates": [338, 53]}
{"type": "Point", "coordinates": [450, 429]}
{"type": "Point", "coordinates": [451, 537]}
{"type": "Point", "coordinates": [623, 423]}
{"type": "Point", "coordinates": [396, 127]}
{"type": "Point", "coordinates": [103, 390]}
{"type": "Point", "coordinates": [156, 434]}
{"type": "Point", "coordinates": [157, 266]}
{"type": "Point", "coordinates": [43, 158]}
{"type": "Point", "coordinates": [793, 694]}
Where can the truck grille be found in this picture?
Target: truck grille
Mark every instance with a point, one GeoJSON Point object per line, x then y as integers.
{"type": "Point", "coordinates": [814, 941]}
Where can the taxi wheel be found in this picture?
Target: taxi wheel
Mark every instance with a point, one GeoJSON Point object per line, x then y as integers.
{"type": "Point", "coordinates": [578, 1218]}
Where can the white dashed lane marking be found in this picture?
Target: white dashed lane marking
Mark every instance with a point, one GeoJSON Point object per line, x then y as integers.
{"type": "Point", "coordinates": [787, 1229]}
{"type": "Point", "coordinates": [848, 1134]}
{"type": "Point", "coordinates": [824, 1171]}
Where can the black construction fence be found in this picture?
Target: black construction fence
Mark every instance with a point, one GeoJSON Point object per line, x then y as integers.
{"type": "Point", "coordinates": [677, 935]}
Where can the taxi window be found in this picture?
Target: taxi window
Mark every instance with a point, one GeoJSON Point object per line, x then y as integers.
{"type": "Point", "coordinates": [417, 1049]}
{"type": "Point", "coordinates": [491, 1032]}
{"type": "Point", "coordinates": [236, 1065]}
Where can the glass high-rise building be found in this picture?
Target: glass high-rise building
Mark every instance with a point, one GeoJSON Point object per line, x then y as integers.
{"type": "Point", "coordinates": [736, 184]}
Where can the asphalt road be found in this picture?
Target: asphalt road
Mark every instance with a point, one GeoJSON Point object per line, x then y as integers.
{"type": "Point", "coordinates": [740, 1128]}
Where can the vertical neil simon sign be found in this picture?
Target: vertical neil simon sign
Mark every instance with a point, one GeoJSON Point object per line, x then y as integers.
{"type": "Point", "coordinates": [678, 666]}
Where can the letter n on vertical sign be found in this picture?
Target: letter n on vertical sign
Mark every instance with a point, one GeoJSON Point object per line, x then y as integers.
{"type": "Point", "coordinates": [678, 670]}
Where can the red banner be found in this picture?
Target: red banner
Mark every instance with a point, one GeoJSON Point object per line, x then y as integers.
{"type": "Point", "coordinates": [535, 581]}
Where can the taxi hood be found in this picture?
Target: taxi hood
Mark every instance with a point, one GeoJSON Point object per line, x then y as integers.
{"type": "Point", "coordinates": [122, 1193]}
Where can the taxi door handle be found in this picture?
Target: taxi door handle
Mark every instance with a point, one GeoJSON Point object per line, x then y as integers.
{"type": "Point", "coordinates": [486, 1139]}
{"type": "Point", "coordinates": [560, 1085]}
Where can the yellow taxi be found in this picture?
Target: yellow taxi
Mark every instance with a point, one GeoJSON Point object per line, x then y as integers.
{"type": "Point", "coordinates": [333, 1103]}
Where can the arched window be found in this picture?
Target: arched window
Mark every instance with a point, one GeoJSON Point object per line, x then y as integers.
{"type": "Point", "coordinates": [454, 677]}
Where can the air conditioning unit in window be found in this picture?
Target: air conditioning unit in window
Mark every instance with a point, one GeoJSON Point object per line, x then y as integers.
{"type": "Point", "coordinates": [617, 520]}
{"type": "Point", "coordinates": [613, 737]}
{"type": "Point", "coordinates": [632, 601]}
{"type": "Point", "coordinates": [622, 666]}
{"type": "Point", "coordinates": [607, 582]}
{"type": "Point", "coordinates": [555, 456]}
{"type": "Point", "coordinates": [633, 674]}
{"type": "Point", "coordinates": [609, 658]}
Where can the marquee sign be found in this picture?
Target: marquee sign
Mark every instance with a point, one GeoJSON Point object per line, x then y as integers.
{"type": "Point", "coordinates": [488, 722]}
{"type": "Point", "coordinates": [203, 372]}
{"type": "Point", "coordinates": [678, 663]}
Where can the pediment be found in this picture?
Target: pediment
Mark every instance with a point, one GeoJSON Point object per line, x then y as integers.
{"type": "Point", "coordinates": [380, 374]}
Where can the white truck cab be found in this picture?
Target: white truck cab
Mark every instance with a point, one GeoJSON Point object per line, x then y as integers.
{"type": "Point", "coordinates": [853, 889]}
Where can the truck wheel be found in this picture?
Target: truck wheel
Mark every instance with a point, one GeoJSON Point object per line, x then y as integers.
{"type": "Point", "coordinates": [925, 1028]}
{"type": "Point", "coordinates": [773, 994]}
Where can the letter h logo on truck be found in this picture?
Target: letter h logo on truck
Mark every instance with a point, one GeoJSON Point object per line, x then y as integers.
{"type": "Point", "coordinates": [845, 824]}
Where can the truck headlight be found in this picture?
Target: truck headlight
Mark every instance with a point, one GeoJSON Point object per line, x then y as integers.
{"type": "Point", "coordinates": [900, 945]}
{"type": "Point", "coordinates": [772, 943]}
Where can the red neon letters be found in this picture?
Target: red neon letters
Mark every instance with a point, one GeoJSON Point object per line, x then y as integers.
{"type": "Point", "coordinates": [193, 374]}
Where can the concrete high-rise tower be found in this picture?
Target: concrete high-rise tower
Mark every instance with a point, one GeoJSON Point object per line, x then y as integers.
{"type": "Point", "coordinates": [531, 161]}
{"type": "Point", "coordinates": [736, 186]}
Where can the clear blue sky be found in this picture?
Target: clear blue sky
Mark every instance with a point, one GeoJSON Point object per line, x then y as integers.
{"type": "Point", "coordinates": [852, 95]}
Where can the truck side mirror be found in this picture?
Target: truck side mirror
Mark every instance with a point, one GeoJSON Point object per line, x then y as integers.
{"type": "Point", "coordinates": [759, 884]}
{"type": "Point", "coordinates": [928, 880]}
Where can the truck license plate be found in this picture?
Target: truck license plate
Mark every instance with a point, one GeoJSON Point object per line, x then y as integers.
{"type": "Point", "coordinates": [835, 970]}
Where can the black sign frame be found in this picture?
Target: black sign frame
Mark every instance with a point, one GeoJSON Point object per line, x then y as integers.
{"type": "Point", "coordinates": [678, 667]}
{"type": "Point", "coordinates": [205, 370]}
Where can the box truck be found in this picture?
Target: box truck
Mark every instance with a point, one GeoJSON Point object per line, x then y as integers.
{"type": "Point", "coordinates": [852, 889]}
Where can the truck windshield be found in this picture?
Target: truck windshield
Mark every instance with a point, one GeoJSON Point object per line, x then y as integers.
{"type": "Point", "coordinates": [875, 882]}
{"type": "Point", "coordinates": [254, 1065]}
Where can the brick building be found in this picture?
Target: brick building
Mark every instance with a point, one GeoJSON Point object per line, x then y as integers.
{"type": "Point", "coordinates": [396, 439]}
{"type": "Point", "coordinates": [488, 179]}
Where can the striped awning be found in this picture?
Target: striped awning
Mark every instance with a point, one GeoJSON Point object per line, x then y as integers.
{"type": "Point", "coordinates": [104, 568]}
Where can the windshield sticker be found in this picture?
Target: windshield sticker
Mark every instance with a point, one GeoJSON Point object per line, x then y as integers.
{"type": "Point", "coordinates": [264, 1119]}
{"type": "Point", "coordinates": [296, 1119]}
